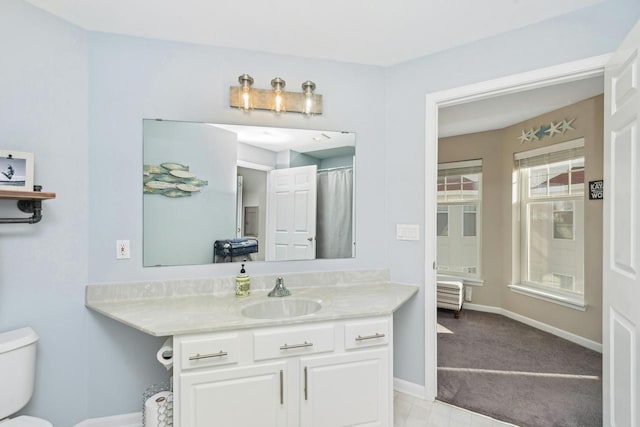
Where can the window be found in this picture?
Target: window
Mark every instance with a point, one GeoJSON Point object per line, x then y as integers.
{"type": "Point", "coordinates": [563, 220]}
{"type": "Point", "coordinates": [443, 221]}
{"type": "Point", "coordinates": [469, 220]}
{"type": "Point", "coordinates": [551, 227]}
{"type": "Point", "coordinates": [458, 218]}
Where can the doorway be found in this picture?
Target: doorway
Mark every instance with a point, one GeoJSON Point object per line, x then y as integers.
{"type": "Point", "coordinates": [574, 71]}
{"type": "Point", "coordinates": [486, 360]}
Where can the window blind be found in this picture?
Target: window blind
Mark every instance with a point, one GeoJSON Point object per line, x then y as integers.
{"type": "Point", "coordinates": [552, 154]}
{"type": "Point", "coordinates": [460, 168]}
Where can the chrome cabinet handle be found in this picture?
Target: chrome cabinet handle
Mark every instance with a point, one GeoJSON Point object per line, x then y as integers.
{"type": "Point", "coordinates": [209, 356]}
{"type": "Point", "coordinates": [369, 337]}
{"type": "Point", "coordinates": [281, 387]}
{"type": "Point", "coordinates": [288, 347]}
{"type": "Point", "coordinates": [305, 384]}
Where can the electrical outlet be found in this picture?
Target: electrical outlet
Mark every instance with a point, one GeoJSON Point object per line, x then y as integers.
{"type": "Point", "coordinates": [123, 251]}
{"type": "Point", "coordinates": [468, 293]}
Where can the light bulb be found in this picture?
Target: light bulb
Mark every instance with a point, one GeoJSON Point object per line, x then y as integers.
{"type": "Point", "coordinates": [246, 103]}
{"type": "Point", "coordinates": [278, 101]}
{"type": "Point", "coordinates": [308, 87]}
{"type": "Point", "coordinates": [246, 99]}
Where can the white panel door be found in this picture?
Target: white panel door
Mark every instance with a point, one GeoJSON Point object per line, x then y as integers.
{"type": "Point", "coordinates": [239, 397]}
{"type": "Point", "coordinates": [291, 228]}
{"type": "Point", "coordinates": [348, 390]}
{"type": "Point", "coordinates": [621, 281]}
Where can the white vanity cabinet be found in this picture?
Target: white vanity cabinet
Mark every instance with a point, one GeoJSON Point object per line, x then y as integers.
{"type": "Point", "coordinates": [346, 390]}
{"type": "Point", "coordinates": [328, 374]}
{"type": "Point", "coordinates": [240, 396]}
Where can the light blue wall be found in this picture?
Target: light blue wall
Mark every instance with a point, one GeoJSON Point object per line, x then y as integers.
{"type": "Point", "coordinates": [336, 162]}
{"type": "Point", "coordinates": [132, 79]}
{"type": "Point", "coordinates": [589, 32]}
{"type": "Point", "coordinates": [44, 267]}
{"type": "Point", "coordinates": [300, 159]}
{"type": "Point", "coordinates": [182, 230]}
{"type": "Point", "coordinates": [260, 156]}
{"type": "Point", "coordinates": [59, 84]}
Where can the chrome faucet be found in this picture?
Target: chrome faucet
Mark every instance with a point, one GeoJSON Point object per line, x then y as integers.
{"type": "Point", "coordinates": [279, 290]}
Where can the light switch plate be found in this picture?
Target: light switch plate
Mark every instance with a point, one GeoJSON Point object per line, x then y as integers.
{"type": "Point", "coordinates": [407, 232]}
{"type": "Point", "coordinates": [123, 250]}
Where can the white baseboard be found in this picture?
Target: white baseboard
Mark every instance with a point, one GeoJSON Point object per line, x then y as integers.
{"type": "Point", "coordinates": [484, 308]}
{"type": "Point", "coordinates": [576, 339]}
{"type": "Point", "coordinates": [125, 420]}
{"type": "Point", "coordinates": [135, 419]}
{"type": "Point", "coordinates": [409, 388]}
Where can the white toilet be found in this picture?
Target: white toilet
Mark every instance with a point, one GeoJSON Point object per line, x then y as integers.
{"type": "Point", "coordinates": [17, 370]}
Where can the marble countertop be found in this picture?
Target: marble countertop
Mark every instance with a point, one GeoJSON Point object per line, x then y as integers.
{"type": "Point", "coordinates": [178, 315]}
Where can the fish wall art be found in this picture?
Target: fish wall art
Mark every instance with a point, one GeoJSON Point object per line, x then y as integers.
{"type": "Point", "coordinates": [171, 180]}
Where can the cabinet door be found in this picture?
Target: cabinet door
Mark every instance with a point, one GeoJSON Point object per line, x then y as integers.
{"type": "Point", "coordinates": [346, 390]}
{"type": "Point", "coordinates": [239, 397]}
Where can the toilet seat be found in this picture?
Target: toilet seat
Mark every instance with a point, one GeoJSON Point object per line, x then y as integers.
{"type": "Point", "coordinates": [26, 421]}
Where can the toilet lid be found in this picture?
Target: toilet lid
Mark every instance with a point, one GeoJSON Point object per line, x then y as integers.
{"type": "Point", "coordinates": [25, 421]}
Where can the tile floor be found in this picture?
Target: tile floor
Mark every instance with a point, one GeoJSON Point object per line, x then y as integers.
{"type": "Point", "coordinates": [413, 412]}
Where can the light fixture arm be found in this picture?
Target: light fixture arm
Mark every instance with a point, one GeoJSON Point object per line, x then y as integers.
{"type": "Point", "coordinates": [278, 84]}
{"type": "Point", "coordinates": [308, 87]}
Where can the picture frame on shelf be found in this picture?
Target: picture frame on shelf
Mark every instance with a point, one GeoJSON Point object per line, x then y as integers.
{"type": "Point", "coordinates": [16, 170]}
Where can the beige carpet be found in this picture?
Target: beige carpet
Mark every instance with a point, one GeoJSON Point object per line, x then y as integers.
{"type": "Point", "coordinates": [507, 370]}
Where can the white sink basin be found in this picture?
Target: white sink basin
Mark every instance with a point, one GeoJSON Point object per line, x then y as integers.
{"type": "Point", "coordinates": [279, 308]}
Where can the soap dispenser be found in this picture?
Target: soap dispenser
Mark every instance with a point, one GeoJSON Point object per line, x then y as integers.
{"type": "Point", "coordinates": [243, 283]}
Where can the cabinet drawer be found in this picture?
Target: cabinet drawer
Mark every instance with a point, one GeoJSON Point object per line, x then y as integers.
{"type": "Point", "coordinates": [209, 351]}
{"type": "Point", "coordinates": [366, 334]}
{"type": "Point", "coordinates": [292, 342]}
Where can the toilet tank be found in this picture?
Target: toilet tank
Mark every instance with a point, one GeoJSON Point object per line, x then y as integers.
{"type": "Point", "coordinates": [17, 369]}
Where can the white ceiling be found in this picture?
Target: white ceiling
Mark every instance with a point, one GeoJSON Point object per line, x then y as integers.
{"type": "Point", "coordinates": [375, 32]}
{"type": "Point", "coordinates": [318, 143]}
{"type": "Point", "coordinates": [506, 110]}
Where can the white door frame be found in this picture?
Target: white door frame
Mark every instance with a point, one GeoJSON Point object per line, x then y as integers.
{"type": "Point", "coordinates": [563, 73]}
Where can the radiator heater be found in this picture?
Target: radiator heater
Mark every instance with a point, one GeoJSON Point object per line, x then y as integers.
{"type": "Point", "coordinates": [450, 296]}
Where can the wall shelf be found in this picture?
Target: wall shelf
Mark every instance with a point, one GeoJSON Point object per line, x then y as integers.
{"type": "Point", "coordinates": [28, 202]}
{"type": "Point", "coordinates": [25, 195]}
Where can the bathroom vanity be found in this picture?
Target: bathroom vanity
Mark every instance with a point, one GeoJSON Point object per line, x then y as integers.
{"type": "Point", "coordinates": [326, 374]}
{"type": "Point", "coordinates": [320, 357]}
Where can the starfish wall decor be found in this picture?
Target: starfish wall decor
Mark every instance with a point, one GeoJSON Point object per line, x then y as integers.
{"type": "Point", "coordinates": [546, 130]}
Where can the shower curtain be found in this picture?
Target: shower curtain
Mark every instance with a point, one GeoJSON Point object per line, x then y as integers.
{"type": "Point", "coordinates": [334, 232]}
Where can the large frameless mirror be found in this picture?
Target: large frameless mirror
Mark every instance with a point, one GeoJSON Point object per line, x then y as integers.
{"type": "Point", "coordinates": [225, 193]}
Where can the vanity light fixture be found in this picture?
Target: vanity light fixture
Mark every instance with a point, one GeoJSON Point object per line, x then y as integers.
{"type": "Point", "coordinates": [247, 98]}
{"type": "Point", "coordinates": [278, 102]}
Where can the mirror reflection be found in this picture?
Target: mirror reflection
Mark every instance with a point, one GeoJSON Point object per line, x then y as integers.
{"type": "Point", "coordinates": [228, 193]}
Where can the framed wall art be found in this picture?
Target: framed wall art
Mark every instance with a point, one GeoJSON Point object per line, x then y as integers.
{"type": "Point", "coordinates": [16, 171]}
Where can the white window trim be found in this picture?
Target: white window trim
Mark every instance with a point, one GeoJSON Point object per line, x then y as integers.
{"type": "Point", "coordinates": [466, 280]}
{"type": "Point", "coordinates": [460, 165]}
{"type": "Point", "coordinates": [576, 302]}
